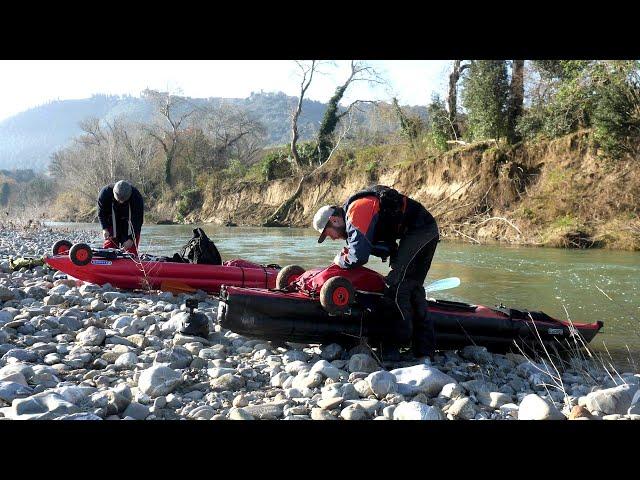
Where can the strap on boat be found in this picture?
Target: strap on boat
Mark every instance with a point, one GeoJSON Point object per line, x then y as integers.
{"type": "Point", "coordinates": [264, 269]}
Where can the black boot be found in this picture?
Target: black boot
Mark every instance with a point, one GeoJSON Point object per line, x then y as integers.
{"type": "Point", "coordinates": [389, 353]}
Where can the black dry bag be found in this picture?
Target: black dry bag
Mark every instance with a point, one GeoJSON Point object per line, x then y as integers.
{"type": "Point", "coordinates": [201, 250]}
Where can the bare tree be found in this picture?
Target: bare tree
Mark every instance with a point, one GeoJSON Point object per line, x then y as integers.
{"type": "Point", "coordinates": [452, 98]}
{"type": "Point", "coordinates": [98, 157]}
{"type": "Point", "coordinates": [141, 149]}
{"type": "Point", "coordinates": [174, 110]}
{"type": "Point", "coordinates": [233, 132]}
{"type": "Point", "coordinates": [307, 77]}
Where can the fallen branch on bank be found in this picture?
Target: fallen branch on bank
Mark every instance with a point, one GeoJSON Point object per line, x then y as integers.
{"type": "Point", "coordinates": [500, 218]}
{"type": "Point", "coordinates": [466, 236]}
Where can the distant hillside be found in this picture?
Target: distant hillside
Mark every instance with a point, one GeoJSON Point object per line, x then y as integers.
{"type": "Point", "coordinates": [28, 139]}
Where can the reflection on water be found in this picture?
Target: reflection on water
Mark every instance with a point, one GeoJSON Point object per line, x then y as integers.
{"type": "Point", "coordinates": [546, 279]}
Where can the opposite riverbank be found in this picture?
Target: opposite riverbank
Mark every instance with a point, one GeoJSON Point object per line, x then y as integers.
{"type": "Point", "coordinates": [556, 193]}
{"type": "Point", "coordinates": [91, 352]}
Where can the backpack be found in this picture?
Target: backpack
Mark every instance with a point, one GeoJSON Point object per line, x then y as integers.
{"type": "Point", "coordinates": [200, 250]}
{"type": "Point", "coordinates": [391, 209]}
{"type": "Point", "coordinates": [391, 201]}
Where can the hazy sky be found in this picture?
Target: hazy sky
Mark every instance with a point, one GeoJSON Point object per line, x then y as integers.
{"type": "Point", "coordinates": [28, 83]}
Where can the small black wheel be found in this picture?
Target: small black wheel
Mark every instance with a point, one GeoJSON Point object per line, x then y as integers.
{"type": "Point", "coordinates": [337, 295]}
{"type": "Point", "coordinates": [61, 247]}
{"type": "Point", "coordinates": [288, 274]}
{"type": "Point", "coordinates": [80, 254]}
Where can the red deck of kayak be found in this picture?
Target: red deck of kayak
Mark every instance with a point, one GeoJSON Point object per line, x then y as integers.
{"type": "Point", "coordinates": [129, 274]}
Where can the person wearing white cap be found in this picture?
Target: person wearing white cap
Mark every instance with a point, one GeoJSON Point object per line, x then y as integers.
{"type": "Point", "coordinates": [121, 215]}
{"type": "Point", "coordinates": [371, 221]}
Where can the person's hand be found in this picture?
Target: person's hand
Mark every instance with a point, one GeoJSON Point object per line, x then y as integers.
{"type": "Point", "coordinates": [340, 254]}
{"type": "Point", "coordinates": [106, 234]}
{"type": "Point", "coordinates": [127, 244]}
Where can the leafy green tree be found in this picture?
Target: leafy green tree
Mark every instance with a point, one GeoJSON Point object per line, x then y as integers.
{"type": "Point", "coordinates": [485, 95]}
{"type": "Point", "coordinates": [602, 95]}
{"type": "Point", "coordinates": [616, 115]}
{"type": "Point", "coordinates": [440, 127]}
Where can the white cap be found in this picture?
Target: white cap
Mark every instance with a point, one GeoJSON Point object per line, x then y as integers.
{"type": "Point", "coordinates": [320, 220]}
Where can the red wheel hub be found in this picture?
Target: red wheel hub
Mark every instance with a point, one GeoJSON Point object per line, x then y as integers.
{"type": "Point", "coordinates": [63, 249]}
{"type": "Point", "coordinates": [340, 296]}
{"type": "Point", "coordinates": [82, 255]}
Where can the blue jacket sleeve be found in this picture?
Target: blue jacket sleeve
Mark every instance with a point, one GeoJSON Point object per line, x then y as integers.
{"type": "Point", "coordinates": [361, 218]}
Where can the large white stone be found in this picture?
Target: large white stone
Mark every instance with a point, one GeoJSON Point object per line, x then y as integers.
{"type": "Point", "coordinates": [126, 360]}
{"type": "Point", "coordinates": [493, 399]}
{"type": "Point", "coordinates": [326, 369]}
{"type": "Point", "coordinates": [634, 409]}
{"type": "Point", "coordinates": [361, 362]}
{"type": "Point", "coordinates": [9, 391]}
{"type": "Point", "coordinates": [611, 400]}
{"type": "Point", "coordinates": [382, 383]}
{"type": "Point", "coordinates": [452, 390]}
{"type": "Point", "coordinates": [462, 408]}
{"type": "Point", "coordinates": [307, 380]}
{"type": "Point", "coordinates": [534, 407]}
{"type": "Point", "coordinates": [42, 406]}
{"type": "Point", "coordinates": [421, 379]}
{"type": "Point", "coordinates": [416, 411]}
{"type": "Point", "coordinates": [158, 380]}
{"type": "Point", "coordinates": [92, 336]}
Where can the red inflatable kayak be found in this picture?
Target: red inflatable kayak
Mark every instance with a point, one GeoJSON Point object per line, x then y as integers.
{"type": "Point", "coordinates": [161, 275]}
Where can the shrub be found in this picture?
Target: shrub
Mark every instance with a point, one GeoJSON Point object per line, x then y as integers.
{"type": "Point", "coordinates": [275, 165]}
{"type": "Point", "coordinates": [189, 200]}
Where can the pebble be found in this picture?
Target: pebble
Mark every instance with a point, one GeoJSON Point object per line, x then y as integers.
{"type": "Point", "coordinates": [361, 362]}
{"type": "Point", "coordinates": [353, 412]}
{"type": "Point", "coordinates": [321, 414]}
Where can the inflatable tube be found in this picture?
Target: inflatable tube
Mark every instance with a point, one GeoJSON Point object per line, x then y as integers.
{"type": "Point", "coordinates": [134, 274]}
{"type": "Point", "coordinates": [298, 317]}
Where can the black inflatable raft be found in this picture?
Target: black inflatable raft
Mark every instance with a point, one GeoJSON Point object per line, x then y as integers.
{"type": "Point", "coordinates": [296, 317]}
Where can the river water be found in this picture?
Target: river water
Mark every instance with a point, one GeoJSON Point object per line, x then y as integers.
{"type": "Point", "coordinates": [590, 284]}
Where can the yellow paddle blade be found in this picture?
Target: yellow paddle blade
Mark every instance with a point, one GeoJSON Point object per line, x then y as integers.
{"type": "Point", "coordinates": [176, 287]}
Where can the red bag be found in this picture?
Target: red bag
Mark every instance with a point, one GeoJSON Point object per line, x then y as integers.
{"type": "Point", "coordinates": [362, 278]}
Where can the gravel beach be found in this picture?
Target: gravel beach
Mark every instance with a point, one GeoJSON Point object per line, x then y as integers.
{"type": "Point", "coordinates": [91, 352]}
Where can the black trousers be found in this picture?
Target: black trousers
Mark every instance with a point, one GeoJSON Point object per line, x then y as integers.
{"type": "Point", "coordinates": [405, 282]}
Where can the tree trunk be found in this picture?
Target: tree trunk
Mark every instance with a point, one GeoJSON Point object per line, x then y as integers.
{"type": "Point", "coordinates": [294, 137]}
{"type": "Point", "coordinates": [516, 100]}
{"type": "Point", "coordinates": [304, 85]}
{"type": "Point", "coordinates": [452, 98]}
{"type": "Point", "coordinates": [167, 164]}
